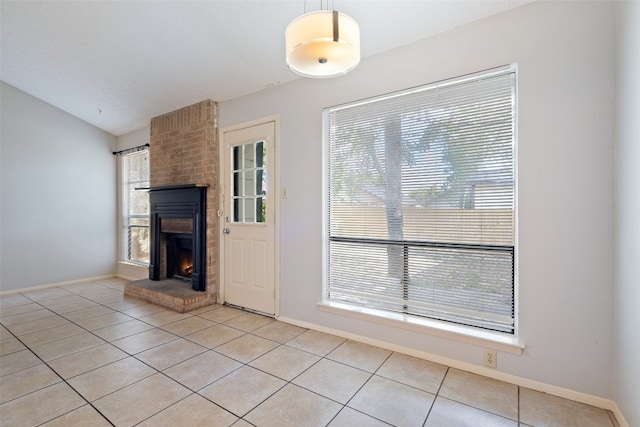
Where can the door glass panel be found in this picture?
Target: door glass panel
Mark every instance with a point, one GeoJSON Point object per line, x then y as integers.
{"type": "Point", "coordinates": [237, 210]}
{"type": "Point", "coordinates": [249, 182]}
{"type": "Point", "coordinates": [236, 158]}
{"type": "Point", "coordinates": [259, 154]}
{"type": "Point", "coordinates": [260, 183]}
{"type": "Point", "coordinates": [237, 179]}
{"type": "Point", "coordinates": [249, 156]}
{"type": "Point", "coordinates": [249, 210]}
{"type": "Point", "coordinates": [261, 209]}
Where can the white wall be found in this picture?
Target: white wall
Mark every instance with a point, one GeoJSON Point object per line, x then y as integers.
{"type": "Point", "coordinates": [565, 55]}
{"type": "Point", "coordinates": [123, 142]}
{"type": "Point", "coordinates": [627, 320]}
{"type": "Point", "coordinates": [58, 200]}
{"type": "Point", "coordinates": [134, 139]}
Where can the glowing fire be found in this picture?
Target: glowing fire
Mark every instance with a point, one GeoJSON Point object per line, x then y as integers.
{"type": "Point", "coordinates": [186, 265]}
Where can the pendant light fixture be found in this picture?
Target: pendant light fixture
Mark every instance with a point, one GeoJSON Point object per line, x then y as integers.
{"type": "Point", "coordinates": [323, 44]}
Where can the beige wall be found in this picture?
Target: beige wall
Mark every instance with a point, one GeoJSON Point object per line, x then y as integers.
{"type": "Point", "coordinates": [627, 284]}
{"type": "Point", "coordinates": [565, 54]}
{"type": "Point", "coordinates": [58, 195]}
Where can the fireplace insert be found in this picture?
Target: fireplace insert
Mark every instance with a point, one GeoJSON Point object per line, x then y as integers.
{"type": "Point", "coordinates": [185, 253]}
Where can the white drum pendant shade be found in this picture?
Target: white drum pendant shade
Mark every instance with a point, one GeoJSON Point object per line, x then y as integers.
{"type": "Point", "coordinates": [316, 49]}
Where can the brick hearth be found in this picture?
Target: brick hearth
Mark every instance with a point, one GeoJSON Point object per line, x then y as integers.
{"type": "Point", "coordinates": [169, 293]}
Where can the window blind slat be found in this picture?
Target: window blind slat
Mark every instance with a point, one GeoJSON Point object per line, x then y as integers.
{"type": "Point", "coordinates": [430, 171]}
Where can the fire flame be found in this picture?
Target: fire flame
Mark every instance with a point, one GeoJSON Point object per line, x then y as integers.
{"type": "Point", "coordinates": [186, 265]}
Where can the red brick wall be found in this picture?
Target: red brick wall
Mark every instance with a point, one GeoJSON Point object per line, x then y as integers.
{"type": "Point", "coordinates": [184, 150]}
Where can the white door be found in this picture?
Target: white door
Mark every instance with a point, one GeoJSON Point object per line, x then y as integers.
{"type": "Point", "coordinates": [248, 217]}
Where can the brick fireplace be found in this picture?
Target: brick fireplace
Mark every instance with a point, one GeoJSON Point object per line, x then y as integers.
{"type": "Point", "coordinates": [183, 163]}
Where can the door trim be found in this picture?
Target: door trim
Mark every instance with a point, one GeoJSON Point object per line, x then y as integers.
{"type": "Point", "coordinates": [275, 183]}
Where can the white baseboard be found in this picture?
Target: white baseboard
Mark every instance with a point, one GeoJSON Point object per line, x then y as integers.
{"type": "Point", "coordinates": [619, 417]}
{"type": "Point", "coordinates": [588, 399]}
{"type": "Point", "coordinates": [57, 284]}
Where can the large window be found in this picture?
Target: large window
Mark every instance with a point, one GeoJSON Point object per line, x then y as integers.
{"type": "Point", "coordinates": [135, 207]}
{"type": "Point", "coordinates": [420, 203]}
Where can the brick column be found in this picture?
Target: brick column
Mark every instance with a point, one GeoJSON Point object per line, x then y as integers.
{"type": "Point", "coordinates": [184, 150]}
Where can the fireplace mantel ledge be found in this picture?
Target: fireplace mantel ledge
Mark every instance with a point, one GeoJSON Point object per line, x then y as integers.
{"type": "Point", "coordinates": [173, 187]}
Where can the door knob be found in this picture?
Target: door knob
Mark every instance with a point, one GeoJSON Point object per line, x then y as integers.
{"type": "Point", "coordinates": [226, 231]}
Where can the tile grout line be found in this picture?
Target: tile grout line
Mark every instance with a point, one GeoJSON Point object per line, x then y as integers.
{"type": "Point", "coordinates": [207, 349]}
{"type": "Point", "coordinates": [518, 403]}
{"type": "Point", "coordinates": [104, 342]}
{"type": "Point", "coordinates": [250, 332]}
{"type": "Point", "coordinates": [102, 339]}
{"type": "Point", "coordinates": [469, 405]}
{"type": "Point", "coordinates": [437, 394]}
{"type": "Point", "coordinates": [41, 300]}
{"type": "Point", "coordinates": [63, 380]}
{"type": "Point", "coordinates": [243, 364]}
{"type": "Point", "coordinates": [371, 375]}
{"type": "Point", "coordinates": [157, 371]}
{"type": "Point", "coordinates": [289, 382]}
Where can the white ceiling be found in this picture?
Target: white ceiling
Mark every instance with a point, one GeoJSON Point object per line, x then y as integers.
{"type": "Point", "coordinates": [117, 64]}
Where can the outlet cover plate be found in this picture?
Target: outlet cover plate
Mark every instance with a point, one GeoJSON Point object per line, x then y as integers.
{"type": "Point", "coordinates": [490, 358]}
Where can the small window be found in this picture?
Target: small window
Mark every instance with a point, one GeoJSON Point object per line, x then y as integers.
{"type": "Point", "coordinates": [249, 182]}
{"type": "Point", "coordinates": [135, 207]}
{"type": "Point", "coordinates": [420, 201]}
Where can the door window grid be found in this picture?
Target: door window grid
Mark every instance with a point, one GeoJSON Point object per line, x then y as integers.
{"type": "Point", "coordinates": [249, 183]}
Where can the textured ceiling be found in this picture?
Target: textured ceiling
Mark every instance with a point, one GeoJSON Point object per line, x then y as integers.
{"type": "Point", "coordinates": [116, 64]}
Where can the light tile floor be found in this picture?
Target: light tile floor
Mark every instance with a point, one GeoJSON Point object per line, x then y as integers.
{"type": "Point", "coordinates": [86, 355]}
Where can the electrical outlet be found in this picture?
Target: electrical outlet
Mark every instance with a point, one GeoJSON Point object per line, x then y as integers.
{"type": "Point", "coordinates": [490, 358]}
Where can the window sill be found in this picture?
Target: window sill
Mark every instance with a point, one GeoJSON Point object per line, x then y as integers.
{"type": "Point", "coordinates": [134, 264]}
{"type": "Point", "coordinates": [494, 340]}
{"type": "Point", "coordinates": [132, 270]}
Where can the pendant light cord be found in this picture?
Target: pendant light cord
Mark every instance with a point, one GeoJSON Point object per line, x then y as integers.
{"type": "Point", "coordinates": [304, 10]}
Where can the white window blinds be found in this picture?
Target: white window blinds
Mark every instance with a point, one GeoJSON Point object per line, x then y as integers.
{"type": "Point", "coordinates": [421, 190]}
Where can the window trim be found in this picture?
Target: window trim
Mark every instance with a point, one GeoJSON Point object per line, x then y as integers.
{"type": "Point", "coordinates": [508, 342]}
